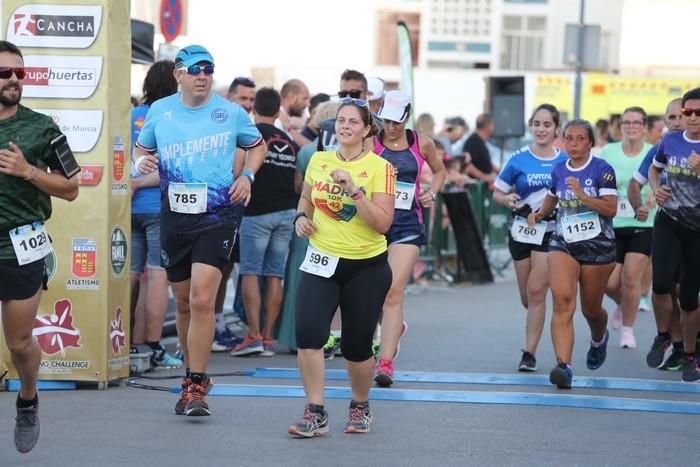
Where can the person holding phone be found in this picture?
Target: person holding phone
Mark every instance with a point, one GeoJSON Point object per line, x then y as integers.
{"type": "Point", "coordinates": [31, 144]}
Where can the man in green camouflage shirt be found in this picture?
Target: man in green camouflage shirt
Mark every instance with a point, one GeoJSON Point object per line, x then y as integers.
{"type": "Point", "coordinates": [26, 188]}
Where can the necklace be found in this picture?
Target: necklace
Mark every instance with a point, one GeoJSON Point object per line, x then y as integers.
{"type": "Point", "coordinates": [343, 158]}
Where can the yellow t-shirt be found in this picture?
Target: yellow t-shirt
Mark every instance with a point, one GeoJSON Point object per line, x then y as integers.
{"type": "Point", "coordinates": [340, 230]}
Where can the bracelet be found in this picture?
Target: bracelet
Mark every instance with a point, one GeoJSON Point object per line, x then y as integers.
{"type": "Point", "coordinates": [358, 195]}
{"type": "Point", "coordinates": [32, 173]}
{"type": "Point", "coordinates": [250, 174]}
{"type": "Point", "coordinates": [432, 195]}
{"type": "Point", "coordinates": [299, 215]}
{"type": "Point", "coordinates": [137, 162]}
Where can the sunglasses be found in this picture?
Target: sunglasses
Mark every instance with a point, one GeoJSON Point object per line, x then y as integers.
{"type": "Point", "coordinates": [355, 94]}
{"type": "Point", "coordinates": [688, 111]}
{"type": "Point", "coordinates": [195, 70]}
{"type": "Point", "coordinates": [6, 72]}
{"type": "Point", "coordinates": [357, 102]}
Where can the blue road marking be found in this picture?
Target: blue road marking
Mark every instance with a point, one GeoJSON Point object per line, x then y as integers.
{"type": "Point", "coordinates": [625, 384]}
{"type": "Point", "coordinates": [469, 397]}
{"type": "Point", "coordinates": [12, 385]}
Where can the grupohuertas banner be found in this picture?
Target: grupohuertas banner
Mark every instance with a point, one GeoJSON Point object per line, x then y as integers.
{"type": "Point", "coordinates": [406, 64]}
{"type": "Point", "coordinates": [77, 57]}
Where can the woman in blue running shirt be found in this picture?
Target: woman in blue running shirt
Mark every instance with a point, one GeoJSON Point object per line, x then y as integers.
{"type": "Point", "coordinates": [408, 152]}
{"type": "Point", "coordinates": [582, 247]}
{"type": "Point", "coordinates": [522, 186]}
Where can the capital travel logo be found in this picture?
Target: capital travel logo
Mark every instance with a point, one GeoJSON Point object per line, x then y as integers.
{"type": "Point", "coordinates": [116, 332]}
{"type": "Point", "coordinates": [61, 77]}
{"type": "Point", "coordinates": [56, 332]}
{"type": "Point", "coordinates": [81, 127]}
{"type": "Point", "coordinates": [63, 26]}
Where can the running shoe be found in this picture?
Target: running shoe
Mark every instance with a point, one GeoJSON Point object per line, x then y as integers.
{"type": "Point", "coordinates": [674, 362]}
{"type": "Point", "coordinates": [359, 418]}
{"type": "Point", "coordinates": [179, 354]}
{"type": "Point", "coordinates": [249, 346]}
{"type": "Point", "coordinates": [181, 403]}
{"type": "Point", "coordinates": [332, 345]}
{"type": "Point", "coordinates": [627, 340]}
{"type": "Point", "coordinates": [268, 348]}
{"type": "Point", "coordinates": [311, 424]}
{"type": "Point", "coordinates": [691, 372]}
{"type": "Point", "coordinates": [197, 405]}
{"type": "Point", "coordinates": [658, 349]}
{"type": "Point", "coordinates": [27, 428]}
{"type": "Point", "coordinates": [224, 341]}
{"type": "Point", "coordinates": [644, 304]}
{"type": "Point", "coordinates": [528, 362]}
{"type": "Point", "coordinates": [617, 318]}
{"type": "Point", "coordinates": [384, 374]}
{"type": "Point", "coordinates": [596, 355]}
{"type": "Point", "coordinates": [561, 376]}
{"type": "Point", "coordinates": [162, 359]}
{"type": "Point", "coordinates": [404, 329]}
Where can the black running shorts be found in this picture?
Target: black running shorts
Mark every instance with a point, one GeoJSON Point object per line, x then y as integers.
{"type": "Point", "coordinates": [178, 251]}
{"type": "Point", "coordinates": [21, 282]}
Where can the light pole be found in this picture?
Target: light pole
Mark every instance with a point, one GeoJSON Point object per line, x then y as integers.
{"type": "Point", "coordinates": [579, 60]}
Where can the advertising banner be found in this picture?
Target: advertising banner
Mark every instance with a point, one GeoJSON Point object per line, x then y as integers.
{"type": "Point", "coordinates": [77, 57]}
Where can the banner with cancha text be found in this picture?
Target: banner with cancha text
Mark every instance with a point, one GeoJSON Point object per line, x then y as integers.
{"type": "Point", "coordinates": [77, 56]}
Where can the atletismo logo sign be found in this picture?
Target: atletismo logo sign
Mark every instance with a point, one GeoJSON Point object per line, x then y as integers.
{"type": "Point", "coordinates": [62, 26]}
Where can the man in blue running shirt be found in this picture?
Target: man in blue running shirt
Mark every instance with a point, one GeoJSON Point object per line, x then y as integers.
{"type": "Point", "coordinates": [191, 139]}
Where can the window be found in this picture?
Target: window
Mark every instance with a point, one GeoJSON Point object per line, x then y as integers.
{"type": "Point", "coordinates": [523, 42]}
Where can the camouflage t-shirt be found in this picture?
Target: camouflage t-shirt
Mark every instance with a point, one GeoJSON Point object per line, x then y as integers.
{"type": "Point", "coordinates": [21, 203]}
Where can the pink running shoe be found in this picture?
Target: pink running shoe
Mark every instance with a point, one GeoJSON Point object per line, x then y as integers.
{"type": "Point", "coordinates": [384, 374]}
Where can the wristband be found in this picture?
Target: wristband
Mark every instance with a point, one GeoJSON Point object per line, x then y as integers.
{"type": "Point", "coordinates": [249, 174]}
{"type": "Point", "coordinates": [138, 161]}
{"type": "Point", "coordinates": [32, 173]}
{"type": "Point", "coordinates": [297, 216]}
{"type": "Point", "coordinates": [432, 195]}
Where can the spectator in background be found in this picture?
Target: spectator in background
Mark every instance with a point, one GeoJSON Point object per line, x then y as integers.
{"type": "Point", "coordinates": [145, 232]}
{"type": "Point", "coordinates": [655, 129]}
{"type": "Point", "coordinates": [453, 135]}
{"type": "Point", "coordinates": [615, 133]}
{"type": "Point", "coordinates": [286, 332]}
{"type": "Point", "coordinates": [602, 133]}
{"type": "Point", "coordinates": [266, 228]}
{"type": "Point", "coordinates": [295, 100]}
{"type": "Point", "coordinates": [481, 167]}
{"type": "Point", "coordinates": [309, 132]}
{"type": "Point", "coordinates": [425, 125]}
{"type": "Point", "coordinates": [242, 92]}
{"type": "Point", "coordinates": [375, 93]}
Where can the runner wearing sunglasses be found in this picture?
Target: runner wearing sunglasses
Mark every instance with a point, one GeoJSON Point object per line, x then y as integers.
{"type": "Point", "coordinates": [665, 306]}
{"type": "Point", "coordinates": [677, 225]}
{"type": "Point", "coordinates": [346, 206]}
{"type": "Point", "coordinates": [196, 133]}
{"type": "Point", "coordinates": [25, 203]}
{"type": "Point", "coordinates": [408, 152]}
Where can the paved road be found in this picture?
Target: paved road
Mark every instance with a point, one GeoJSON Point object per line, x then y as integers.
{"type": "Point", "coordinates": [462, 330]}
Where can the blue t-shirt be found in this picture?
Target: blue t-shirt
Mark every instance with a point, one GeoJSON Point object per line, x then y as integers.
{"type": "Point", "coordinates": [145, 200]}
{"type": "Point", "coordinates": [530, 176]}
{"type": "Point", "coordinates": [672, 156]}
{"type": "Point", "coordinates": [642, 173]}
{"type": "Point", "coordinates": [597, 178]}
{"type": "Point", "coordinates": [198, 145]}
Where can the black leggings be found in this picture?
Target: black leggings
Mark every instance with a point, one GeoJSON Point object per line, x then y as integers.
{"type": "Point", "coordinates": [674, 244]}
{"type": "Point", "coordinates": [359, 287]}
